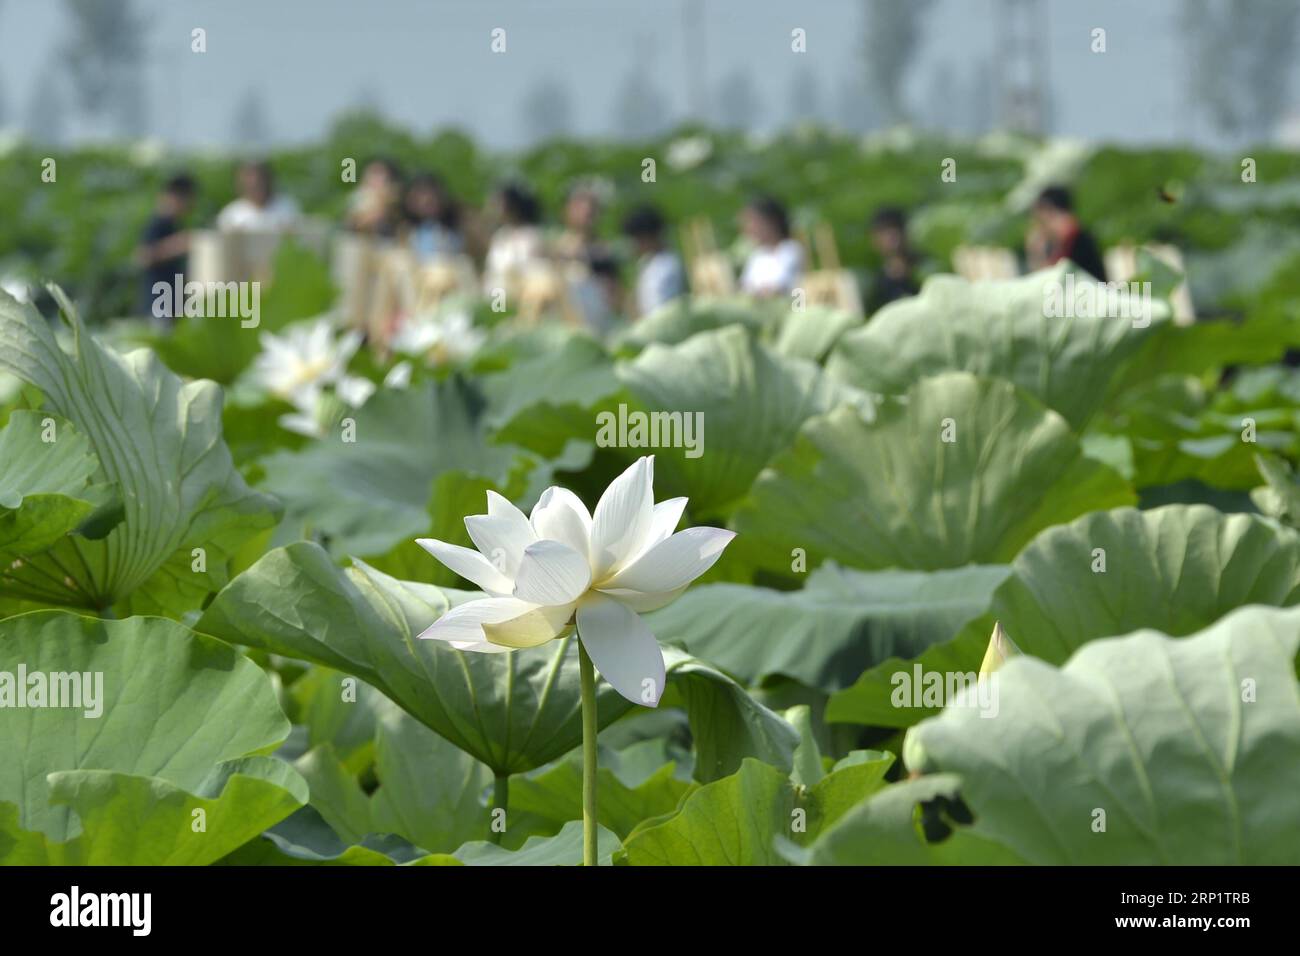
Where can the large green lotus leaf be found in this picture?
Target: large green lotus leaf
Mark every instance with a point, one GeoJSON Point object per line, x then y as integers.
{"type": "Point", "coordinates": [430, 799]}
{"type": "Point", "coordinates": [430, 791]}
{"type": "Point", "coordinates": [740, 820]}
{"type": "Point", "coordinates": [514, 711]}
{"type": "Point", "coordinates": [725, 404]}
{"type": "Point", "coordinates": [750, 404]}
{"type": "Point", "coordinates": [1178, 431]}
{"type": "Point", "coordinates": [250, 426]}
{"type": "Point", "coordinates": [339, 711]}
{"type": "Point", "coordinates": [811, 333]}
{"type": "Point", "coordinates": [336, 794]}
{"type": "Point", "coordinates": [46, 468]}
{"type": "Point", "coordinates": [456, 494]}
{"type": "Point", "coordinates": [545, 401]}
{"type": "Point", "coordinates": [555, 795]}
{"type": "Point", "coordinates": [890, 829]}
{"type": "Point", "coordinates": [562, 849]}
{"type": "Point", "coordinates": [842, 622]}
{"type": "Point", "coordinates": [305, 839]}
{"type": "Point", "coordinates": [129, 820]}
{"type": "Point", "coordinates": [158, 440]}
{"type": "Point", "coordinates": [894, 493]}
{"type": "Point", "coordinates": [182, 722]}
{"type": "Point", "coordinates": [1141, 750]}
{"type": "Point", "coordinates": [683, 318]}
{"type": "Point", "coordinates": [994, 328]}
{"type": "Point", "coordinates": [286, 847]}
{"type": "Point", "coordinates": [727, 724]}
{"type": "Point", "coordinates": [1207, 346]}
{"type": "Point", "coordinates": [1178, 568]}
{"type": "Point", "coordinates": [368, 495]}
{"type": "Point", "coordinates": [1279, 496]}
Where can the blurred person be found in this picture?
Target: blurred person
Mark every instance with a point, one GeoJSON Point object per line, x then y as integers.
{"type": "Point", "coordinates": [1055, 233]}
{"type": "Point", "coordinates": [164, 247]}
{"type": "Point", "coordinates": [895, 279]}
{"type": "Point", "coordinates": [599, 295]}
{"type": "Point", "coordinates": [776, 262]}
{"type": "Point", "coordinates": [376, 205]}
{"type": "Point", "coordinates": [660, 276]}
{"type": "Point", "coordinates": [433, 219]}
{"type": "Point", "coordinates": [259, 207]}
{"type": "Point", "coordinates": [517, 241]}
{"type": "Point", "coordinates": [577, 241]}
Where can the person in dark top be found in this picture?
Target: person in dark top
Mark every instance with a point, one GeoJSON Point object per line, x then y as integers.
{"type": "Point", "coordinates": [1057, 234]}
{"type": "Point", "coordinates": [660, 277]}
{"type": "Point", "coordinates": [895, 279]}
{"type": "Point", "coordinates": [165, 244]}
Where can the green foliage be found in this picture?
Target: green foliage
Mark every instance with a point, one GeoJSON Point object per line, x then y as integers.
{"type": "Point", "coordinates": [900, 485]}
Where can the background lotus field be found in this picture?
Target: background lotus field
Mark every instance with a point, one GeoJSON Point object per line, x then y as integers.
{"type": "Point", "coordinates": [252, 596]}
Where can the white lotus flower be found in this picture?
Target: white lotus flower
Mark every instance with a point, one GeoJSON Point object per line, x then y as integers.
{"type": "Point", "coordinates": [399, 376]}
{"type": "Point", "coordinates": [354, 390]}
{"type": "Point", "coordinates": [449, 337]}
{"type": "Point", "coordinates": [688, 152]}
{"type": "Point", "coordinates": [303, 358]}
{"type": "Point", "coordinates": [300, 364]}
{"type": "Point", "coordinates": [304, 421]}
{"type": "Point", "coordinates": [561, 566]}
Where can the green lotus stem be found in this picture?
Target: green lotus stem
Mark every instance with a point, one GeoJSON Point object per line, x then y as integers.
{"type": "Point", "coordinates": [588, 757]}
{"type": "Point", "coordinates": [500, 800]}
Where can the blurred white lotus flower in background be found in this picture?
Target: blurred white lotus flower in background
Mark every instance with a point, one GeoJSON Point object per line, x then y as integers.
{"type": "Point", "coordinates": [148, 152]}
{"type": "Point", "coordinates": [300, 363]}
{"type": "Point", "coordinates": [561, 566]}
{"type": "Point", "coordinates": [302, 357]}
{"type": "Point", "coordinates": [10, 141]}
{"type": "Point", "coordinates": [399, 376]}
{"type": "Point", "coordinates": [688, 152]}
{"type": "Point", "coordinates": [448, 337]}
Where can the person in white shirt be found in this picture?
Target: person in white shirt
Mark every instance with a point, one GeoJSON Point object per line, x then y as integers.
{"type": "Point", "coordinates": [259, 208]}
{"type": "Point", "coordinates": [660, 277]}
{"type": "Point", "coordinates": [518, 241]}
{"type": "Point", "coordinates": [776, 263]}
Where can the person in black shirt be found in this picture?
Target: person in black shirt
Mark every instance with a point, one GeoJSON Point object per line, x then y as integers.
{"type": "Point", "coordinates": [1057, 234]}
{"type": "Point", "coordinates": [895, 279]}
{"type": "Point", "coordinates": [165, 244]}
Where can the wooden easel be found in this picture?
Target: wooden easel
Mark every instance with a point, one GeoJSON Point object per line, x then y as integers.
{"type": "Point", "coordinates": [355, 266]}
{"type": "Point", "coordinates": [544, 293]}
{"type": "Point", "coordinates": [709, 272]}
{"type": "Point", "coordinates": [981, 263]}
{"type": "Point", "coordinates": [827, 283]}
{"type": "Point", "coordinates": [1122, 266]}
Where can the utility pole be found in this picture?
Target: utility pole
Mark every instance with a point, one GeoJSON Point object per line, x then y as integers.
{"type": "Point", "coordinates": [694, 49]}
{"type": "Point", "coordinates": [1022, 65]}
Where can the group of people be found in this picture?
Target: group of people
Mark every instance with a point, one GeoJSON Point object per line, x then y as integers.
{"type": "Point", "coordinates": [421, 213]}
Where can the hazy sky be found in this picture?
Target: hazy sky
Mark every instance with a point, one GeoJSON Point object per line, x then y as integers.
{"type": "Point", "coordinates": [428, 62]}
